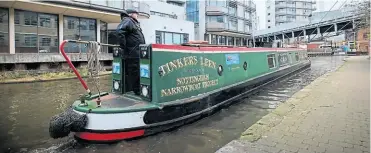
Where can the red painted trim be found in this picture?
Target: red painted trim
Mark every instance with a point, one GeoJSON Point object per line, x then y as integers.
{"type": "Point", "coordinates": [179, 47]}
{"type": "Point", "coordinates": [109, 136]}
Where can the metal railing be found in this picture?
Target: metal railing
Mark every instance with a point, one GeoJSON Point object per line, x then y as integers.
{"type": "Point", "coordinates": [61, 48]}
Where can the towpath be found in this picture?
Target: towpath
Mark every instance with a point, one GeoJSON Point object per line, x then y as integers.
{"type": "Point", "coordinates": [330, 115]}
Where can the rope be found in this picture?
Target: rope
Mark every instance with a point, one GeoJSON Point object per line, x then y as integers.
{"type": "Point", "coordinates": [93, 63]}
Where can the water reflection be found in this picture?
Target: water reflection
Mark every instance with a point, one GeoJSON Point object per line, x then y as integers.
{"type": "Point", "coordinates": [27, 109]}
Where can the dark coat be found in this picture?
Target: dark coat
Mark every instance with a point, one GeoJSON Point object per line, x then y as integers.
{"type": "Point", "coordinates": [130, 36]}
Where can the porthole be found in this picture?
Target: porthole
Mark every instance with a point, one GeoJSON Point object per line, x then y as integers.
{"type": "Point", "coordinates": [245, 66]}
{"type": "Point", "coordinates": [220, 70]}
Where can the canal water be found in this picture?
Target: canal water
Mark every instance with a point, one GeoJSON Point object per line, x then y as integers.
{"type": "Point", "coordinates": [25, 111]}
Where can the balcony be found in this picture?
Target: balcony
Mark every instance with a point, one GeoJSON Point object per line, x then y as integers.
{"type": "Point", "coordinates": [215, 27]}
{"type": "Point", "coordinates": [223, 29]}
{"type": "Point", "coordinates": [281, 19]}
{"type": "Point", "coordinates": [177, 1]}
{"type": "Point", "coordinates": [251, 7]}
{"type": "Point", "coordinates": [117, 5]}
{"type": "Point", "coordinates": [281, 5]}
{"type": "Point", "coordinates": [216, 10]}
{"type": "Point", "coordinates": [278, 13]}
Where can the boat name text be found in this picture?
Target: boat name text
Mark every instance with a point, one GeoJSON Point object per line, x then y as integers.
{"type": "Point", "coordinates": [184, 62]}
{"type": "Point", "coordinates": [188, 84]}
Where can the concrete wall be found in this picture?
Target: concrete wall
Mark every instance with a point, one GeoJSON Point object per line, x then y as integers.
{"type": "Point", "coordinates": [46, 58]}
{"type": "Point", "coordinates": [202, 20]}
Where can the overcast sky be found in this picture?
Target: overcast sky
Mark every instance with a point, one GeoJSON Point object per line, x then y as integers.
{"type": "Point", "coordinates": [326, 4]}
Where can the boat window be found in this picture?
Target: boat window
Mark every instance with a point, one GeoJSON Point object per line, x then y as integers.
{"type": "Point", "coordinates": [271, 61]}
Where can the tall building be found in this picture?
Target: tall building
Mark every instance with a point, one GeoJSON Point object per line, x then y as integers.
{"type": "Point", "coordinates": [285, 11]}
{"type": "Point", "coordinates": [228, 22]}
{"type": "Point", "coordinates": [31, 31]}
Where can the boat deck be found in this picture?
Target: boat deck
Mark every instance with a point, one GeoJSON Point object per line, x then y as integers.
{"type": "Point", "coordinates": [115, 103]}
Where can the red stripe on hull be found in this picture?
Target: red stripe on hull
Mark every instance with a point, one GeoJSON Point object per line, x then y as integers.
{"type": "Point", "coordinates": [179, 47]}
{"type": "Point", "coordinates": [109, 136]}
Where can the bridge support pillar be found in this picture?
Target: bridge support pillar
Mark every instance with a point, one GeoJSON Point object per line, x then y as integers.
{"type": "Point", "coordinates": [267, 38]}
{"type": "Point", "coordinates": [335, 27]}
{"type": "Point", "coordinates": [305, 34]}
{"type": "Point", "coordinates": [283, 39]}
{"type": "Point", "coordinates": [318, 31]}
{"type": "Point", "coordinates": [293, 36]}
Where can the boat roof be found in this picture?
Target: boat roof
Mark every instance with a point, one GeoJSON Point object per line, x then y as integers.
{"type": "Point", "coordinates": [217, 48]}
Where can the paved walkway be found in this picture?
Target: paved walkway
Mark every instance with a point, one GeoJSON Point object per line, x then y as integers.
{"type": "Point", "coordinates": [330, 115]}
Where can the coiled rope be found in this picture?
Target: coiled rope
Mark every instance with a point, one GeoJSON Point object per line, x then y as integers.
{"type": "Point", "coordinates": [93, 63]}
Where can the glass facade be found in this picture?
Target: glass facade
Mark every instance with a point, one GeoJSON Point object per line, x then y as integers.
{"type": "Point", "coordinates": [35, 32]}
{"type": "Point", "coordinates": [192, 11]}
{"type": "Point", "coordinates": [4, 30]}
{"type": "Point", "coordinates": [226, 40]}
{"type": "Point", "coordinates": [170, 38]}
{"type": "Point", "coordinates": [78, 29]}
{"type": "Point", "coordinates": [216, 3]}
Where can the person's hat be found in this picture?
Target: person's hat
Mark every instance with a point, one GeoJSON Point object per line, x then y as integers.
{"type": "Point", "coordinates": [129, 11]}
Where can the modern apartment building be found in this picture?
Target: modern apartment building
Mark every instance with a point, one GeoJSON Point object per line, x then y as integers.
{"type": "Point", "coordinates": [31, 31]}
{"type": "Point", "coordinates": [285, 11]}
{"type": "Point", "coordinates": [227, 22]}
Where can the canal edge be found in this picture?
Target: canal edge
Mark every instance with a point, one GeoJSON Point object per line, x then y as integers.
{"type": "Point", "coordinates": [45, 80]}
{"type": "Point", "coordinates": [267, 122]}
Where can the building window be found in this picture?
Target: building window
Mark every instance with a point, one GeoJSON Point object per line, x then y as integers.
{"type": "Point", "coordinates": [365, 36]}
{"type": "Point", "coordinates": [269, 27]}
{"type": "Point", "coordinates": [170, 38]}
{"type": "Point", "coordinates": [78, 29]}
{"type": "Point", "coordinates": [230, 41]}
{"type": "Point", "coordinates": [214, 40]}
{"type": "Point", "coordinates": [271, 61]}
{"type": "Point", "coordinates": [36, 32]}
{"type": "Point", "coordinates": [192, 11]}
{"type": "Point", "coordinates": [177, 4]}
{"type": "Point", "coordinates": [104, 36]}
{"type": "Point", "coordinates": [4, 32]}
{"type": "Point", "coordinates": [238, 42]}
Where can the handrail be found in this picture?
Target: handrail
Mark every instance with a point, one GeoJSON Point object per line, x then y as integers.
{"type": "Point", "coordinates": [61, 48]}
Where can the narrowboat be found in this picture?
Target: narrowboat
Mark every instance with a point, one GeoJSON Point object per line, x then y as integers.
{"type": "Point", "coordinates": [178, 84]}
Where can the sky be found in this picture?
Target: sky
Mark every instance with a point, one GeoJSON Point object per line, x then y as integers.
{"type": "Point", "coordinates": [323, 4]}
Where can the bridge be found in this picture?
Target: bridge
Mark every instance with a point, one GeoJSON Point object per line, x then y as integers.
{"type": "Point", "coordinates": [320, 23]}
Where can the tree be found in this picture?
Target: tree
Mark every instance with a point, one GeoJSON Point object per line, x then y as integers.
{"type": "Point", "coordinates": [361, 8]}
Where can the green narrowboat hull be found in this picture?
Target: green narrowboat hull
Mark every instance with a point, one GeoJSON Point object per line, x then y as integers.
{"type": "Point", "coordinates": [179, 84]}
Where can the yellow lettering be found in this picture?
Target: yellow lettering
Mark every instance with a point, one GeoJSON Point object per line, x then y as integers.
{"type": "Point", "coordinates": [188, 84]}
{"type": "Point", "coordinates": [179, 63]}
